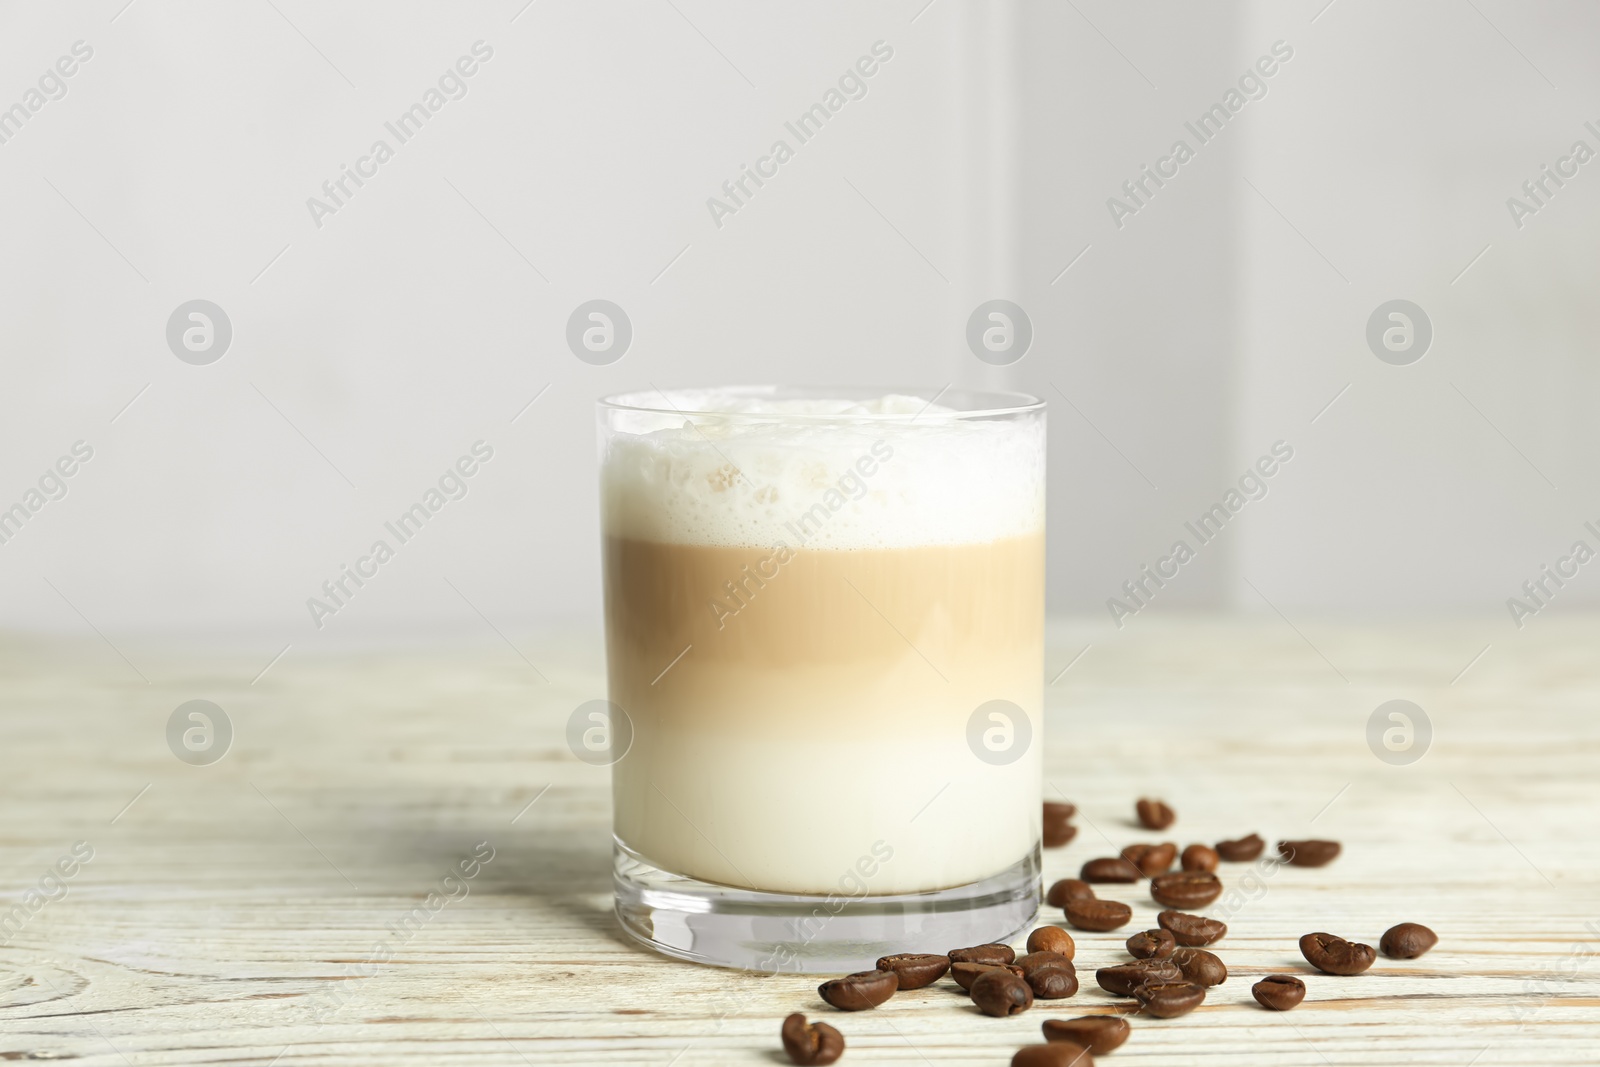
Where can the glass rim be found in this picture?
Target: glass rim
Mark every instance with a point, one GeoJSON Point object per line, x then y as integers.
{"type": "Point", "coordinates": [994, 403]}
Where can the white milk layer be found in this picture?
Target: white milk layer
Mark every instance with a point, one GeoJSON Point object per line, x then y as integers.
{"type": "Point", "coordinates": [797, 817]}
{"type": "Point", "coordinates": [745, 471]}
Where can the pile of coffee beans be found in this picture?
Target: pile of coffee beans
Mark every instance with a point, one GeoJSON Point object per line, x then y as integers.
{"type": "Point", "coordinates": [1169, 973]}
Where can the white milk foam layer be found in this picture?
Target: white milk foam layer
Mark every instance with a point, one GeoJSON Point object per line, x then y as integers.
{"type": "Point", "coordinates": [737, 473]}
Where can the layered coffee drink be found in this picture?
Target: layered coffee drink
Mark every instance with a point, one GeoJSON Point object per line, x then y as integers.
{"type": "Point", "coordinates": [824, 622]}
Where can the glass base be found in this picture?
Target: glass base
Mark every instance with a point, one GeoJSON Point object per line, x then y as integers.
{"type": "Point", "coordinates": [802, 934]}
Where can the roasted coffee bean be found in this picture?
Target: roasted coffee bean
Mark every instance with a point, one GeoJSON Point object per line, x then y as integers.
{"type": "Point", "coordinates": [1055, 981]}
{"type": "Point", "coordinates": [1057, 829]}
{"type": "Point", "coordinates": [1335, 955]}
{"type": "Point", "coordinates": [1308, 853]}
{"type": "Point", "coordinates": [1200, 967]}
{"type": "Point", "coordinates": [1241, 850]}
{"type": "Point", "coordinates": [915, 969]}
{"type": "Point", "coordinates": [1198, 857]}
{"type": "Point", "coordinates": [982, 954]}
{"type": "Point", "coordinates": [1168, 1000]}
{"type": "Point", "coordinates": [811, 1043]}
{"type": "Point", "coordinates": [1055, 1054]}
{"type": "Point", "coordinates": [1109, 869]}
{"type": "Point", "coordinates": [966, 973]}
{"type": "Point", "coordinates": [864, 989]}
{"type": "Point", "coordinates": [1152, 945]}
{"type": "Point", "coordinates": [1041, 958]}
{"type": "Point", "coordinates": [1186, 889]}
{"type": "Point", "coordinates": [1151, 860]}
{"type": "Point", "coordinates": [1124, 978]}
{"type": "Point", "coordinates": [1001, 993]}
{"type": "Point", "coordinates": [1133, 854]}
{"type": "Point", "coordinates": [1068, 889]}
{"type": "Point", "coordinates": [1098, 915]}
{"type": "Point", "coordinates": [1154, 814]}
{"type": "Point", "coordinates": [1407, 941]}
{"type": "Point", "coordinates": [1192, 929]}
{"type": "Point", "coordinates": [1280, 992]}
{"type": "Point", "coordinates": [1059, 810]}
{"type": "Point", "coordinates": [1050, 975]}
{"type": "Point", "coordinates": [1052, 939]}
{"type": "Point", "coordinates": [1099, 1034]}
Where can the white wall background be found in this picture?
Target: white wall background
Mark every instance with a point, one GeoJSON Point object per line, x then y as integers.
{"type": "Point", "coordinates": [371, 352]}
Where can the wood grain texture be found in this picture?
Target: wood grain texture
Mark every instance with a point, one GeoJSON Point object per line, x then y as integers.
{"type": "Point", "coordinates": [231, 914]}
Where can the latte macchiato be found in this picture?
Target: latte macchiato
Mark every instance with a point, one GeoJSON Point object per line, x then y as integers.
{"type": "Point", "coordinates": [807, 604]}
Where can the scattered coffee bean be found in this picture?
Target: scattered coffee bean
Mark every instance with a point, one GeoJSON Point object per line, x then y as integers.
{"type": "Point", "coordinates": [856, 992]}
{"type": "Point", "coordinates": [1280, 992]}
{"type": "Point", "coordinates": [1098, 915]}
{"type": "Point", "coordinates": [1099, 1034]}
{"type": "Point", "coordinates": [1133, 854]}
{"type": "Point", "coordinates": [1186, 889]}
{"type": "Point", "coordinates": [1192, 929]}
{"type": "Point", "coordinates": [1057, 828]}
{"type": "Point", "coordinates": [1054, 982]}
{"type": "Point", "coordinates": [1055, 1054]}
{"type": "Point", "coordinates": [1151, 945]}
{"type": "Point", "coordinates": [1151, 860]}
{"type": "Point", "coordinates": [1241, 850]}
{"type": "Point", "coordinates": [1335, 955]}
{"type": "Point", "coordinates": [1109, 869]}
{"type": "Point", "coordinates": [966, 973]}
{"type": "Point", "coordinates": [1198, 857]}
{"type": "Point", "coordinates": [1041, 958]}
{"type": "Point", "coordinates": [1060, 835]}
{"type": "Point", "coordinates": [1124, 978]}
{"type": "Point", "coordinates": [1068, 889]}
{"type": "Point", "coordinates": [811, 1043]}
{"type": "Point", "coordinates": [1052, 939]}
{"type": "Point", "coordinates": [1154, 814]}
{"type": "Point", "coordinates": [1168, 1000]}
{"type": "Point", "coordinates": [982, 954]}
{"type": "Point", "coordinates": [1308, 853]}
{"type": "Point", "coordinates": [1050, 975]}
{"type": "Point", "coordinates": [1407, 941]}
{"type": "Point", "coordinates": [915, 969]}
{"type": "Point", "coordinates": [1001, 993]}
{"type": "Point", "coordinates": [1200, 967]}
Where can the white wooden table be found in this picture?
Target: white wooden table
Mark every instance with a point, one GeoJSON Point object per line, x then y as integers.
{"type": "Point", "coordinates": [230, 912]}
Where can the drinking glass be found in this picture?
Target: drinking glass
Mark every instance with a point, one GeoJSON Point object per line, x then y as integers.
{"type": "Point", "coordinates": [824, 620]}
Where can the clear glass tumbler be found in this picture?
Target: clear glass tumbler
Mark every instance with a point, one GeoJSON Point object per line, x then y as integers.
{"type": "Point", "coordinates": [824, 632]}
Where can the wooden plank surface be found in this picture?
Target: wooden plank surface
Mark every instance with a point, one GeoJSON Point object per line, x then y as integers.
{"type": "Point", "coordinates": [230, 913]}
